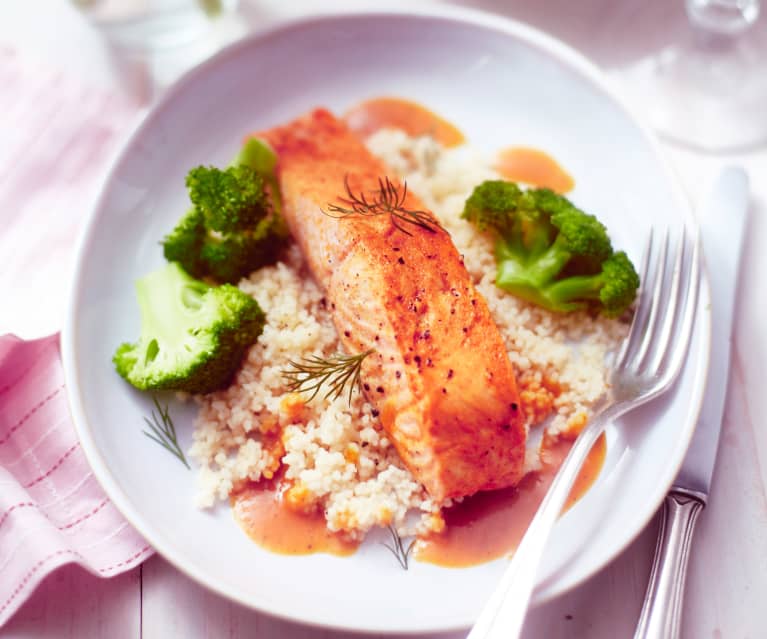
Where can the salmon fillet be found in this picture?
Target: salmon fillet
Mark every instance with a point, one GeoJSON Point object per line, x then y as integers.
{"type": "Point", "coordinates": [440, 376]}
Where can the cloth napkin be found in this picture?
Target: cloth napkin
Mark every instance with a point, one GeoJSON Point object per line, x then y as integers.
{"type": "Point", "coordinates": [52, 509]}
{"type": "Point", "coordinates": [57, 140]}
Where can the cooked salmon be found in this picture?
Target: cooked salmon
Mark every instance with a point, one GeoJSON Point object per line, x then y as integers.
{"type": "Point", "coordinates": [439, 376]}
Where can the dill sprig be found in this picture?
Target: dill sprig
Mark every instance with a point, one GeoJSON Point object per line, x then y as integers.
{"type": "Point", "coordinates": [163, 432]}
{"type": "Point", "coordinates": [311, 373]}
{"type": "Point", "coordinates": [398, 548]}
{"type": "Point", "coordinates": [388, 199]}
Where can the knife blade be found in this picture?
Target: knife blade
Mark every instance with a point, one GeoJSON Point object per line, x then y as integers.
{"type": "Point", "coordinates": [722, 227]}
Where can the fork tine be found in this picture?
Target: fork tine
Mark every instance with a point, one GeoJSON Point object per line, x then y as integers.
{"type": "Point", "coordinates": [650, 328]}
{"type": "Point", "coordinates": [688, 320]}
{"type": "Point", "coordinates": [662, 337]}
{"type": "Point", "coordinates": [644, 272]}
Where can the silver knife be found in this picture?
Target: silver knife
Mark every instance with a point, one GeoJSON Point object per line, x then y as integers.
{"type": "Point", "coordinates": [722, 228]}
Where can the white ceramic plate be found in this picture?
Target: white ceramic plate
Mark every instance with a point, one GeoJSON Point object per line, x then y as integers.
{"type": "Point", "coordinates": [501, 83]}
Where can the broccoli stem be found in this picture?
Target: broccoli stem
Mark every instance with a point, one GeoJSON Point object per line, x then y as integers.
{"type": "Point", "coordinates": [258, 155]}
{"type": "Point", "coordinates": [533, 270]}
{"type": "Point", "coordinates": [581, 287]}
{"type": "Point", "coordinates": [164, 318]}
{"type": "Point", "coordinates": [544, 268]}
{"type": "Point", "coordinates": [534, 278]}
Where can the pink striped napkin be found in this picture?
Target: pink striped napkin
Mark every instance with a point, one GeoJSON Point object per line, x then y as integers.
{"type": "Point", "coordinates": [52, 509]}
{"type": "Point", "coordinates": [58, 138]}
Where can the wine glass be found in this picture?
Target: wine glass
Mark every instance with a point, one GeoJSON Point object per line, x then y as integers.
{"type": "Point", "coordinates": [153, 24]}
{"type": "Point", "coordinates": [708, 90]}
{"type": "Point", "coordinates": [152, 42]}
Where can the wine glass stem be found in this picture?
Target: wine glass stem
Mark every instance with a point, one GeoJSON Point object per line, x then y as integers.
{"type": "Point", "coordinates": [726, 17]}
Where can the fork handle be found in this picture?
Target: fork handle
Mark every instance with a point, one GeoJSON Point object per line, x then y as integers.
{"type": "Point", "coordinates": [661, 614]}
{"type": "Point", "coordinates": [504, 613]}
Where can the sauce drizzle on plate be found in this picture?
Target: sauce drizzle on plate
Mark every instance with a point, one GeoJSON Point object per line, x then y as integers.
{"type": "Point", "coordinates": [373, 115]}
{"type": "Point", "coordinates": [533, 167]}
{"type": "Point", "coordinates": [490, 525]}
{"type": "Point", "coordinates": [481, 528]}
{"type": "Point", "coordinates": [259, 510]}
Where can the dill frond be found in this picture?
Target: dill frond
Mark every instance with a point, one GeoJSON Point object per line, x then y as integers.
{"type": "Point", "coordinates": [387, 200]}
{"type": "Point", "coordinates": [398, 548]}
{"type": "Point", "coordinates": [163, 431]}
{"type": "Point", "coordinates": [311, 373]}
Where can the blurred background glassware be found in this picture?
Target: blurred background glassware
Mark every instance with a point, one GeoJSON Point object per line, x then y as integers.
{"type": "Point", "coordinates": [708, 89]}
{"type": "Point", "coordinates": [153, 42]}
{"type": "Point", "coordinates": [148, 25]}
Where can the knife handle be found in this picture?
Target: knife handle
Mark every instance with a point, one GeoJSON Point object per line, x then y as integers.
{"type": "Point", "coordinates": [662, 609]}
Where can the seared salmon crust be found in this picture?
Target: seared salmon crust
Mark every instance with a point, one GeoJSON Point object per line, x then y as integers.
{"type": "Point", "coordinates": [439, 377]}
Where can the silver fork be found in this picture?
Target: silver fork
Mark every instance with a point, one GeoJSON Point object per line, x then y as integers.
{"type": "Point", "coordinates": [647, 364]}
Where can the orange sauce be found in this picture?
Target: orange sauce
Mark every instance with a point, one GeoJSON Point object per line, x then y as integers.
{"type": "Point", "coordinates": [533, 167]}
{"type": "Point", "coordinates": [260, 512]}
{"type": "Point", "coordinates": [521, 164]}
{"type": "Point", "coordinates": [481, 528]}
{"type": "Point", "coordinates": [379, 113]}
{"type": "Point", "coordinates": [490, 525]}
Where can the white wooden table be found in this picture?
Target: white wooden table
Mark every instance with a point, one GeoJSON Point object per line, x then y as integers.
{"type": "Point", "coordinates": [727, 584]}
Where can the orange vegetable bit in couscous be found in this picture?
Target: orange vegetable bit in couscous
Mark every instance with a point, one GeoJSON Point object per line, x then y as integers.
{"type": "Point", "coordinates": [575, 424]}
{"type": "Point", "coordinates": [299, 498]}
{"type": "Point", "coordinates": [292, 408]}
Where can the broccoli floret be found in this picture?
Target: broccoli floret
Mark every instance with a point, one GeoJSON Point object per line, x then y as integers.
{"type": "Point", "coordinates": [193, 336]}
{"type": "Point", "coordinates": [551, 253]}
{"type": "Point", "coordinates": [235, 224]}
{"type": "Point", "coordinates": [230, 200]}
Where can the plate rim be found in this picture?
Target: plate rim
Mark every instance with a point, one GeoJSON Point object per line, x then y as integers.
{"type": "Point", "coordinates": [554, 48]}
